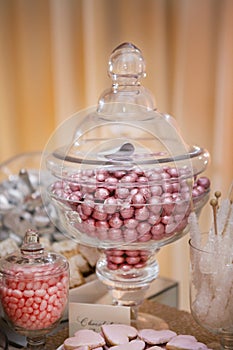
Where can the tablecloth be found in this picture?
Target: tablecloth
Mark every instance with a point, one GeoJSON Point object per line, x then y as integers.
{"type": "Point", "coordinates": [180, 321]}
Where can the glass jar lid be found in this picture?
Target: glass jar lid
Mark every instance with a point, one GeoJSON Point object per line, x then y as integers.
{"type": "Point", "coordinates": [124, 130]}
{"type": "Point", "coordinates": [111, 162]}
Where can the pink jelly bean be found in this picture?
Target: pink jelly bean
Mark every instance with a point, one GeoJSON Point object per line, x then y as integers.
{"type": "Point", "coordinates": [43, 305]}
{"type": "Point", "coordinates": [13, 299]}
{"type": "Point", "coordinates": [12, 306]}
{"type": "Point", "coordinates": [32, 318]}
{"type": "Point", "coordinates": [17, 294]}
{"type": "Point", "coordinates": [29, 302]}
{"type": "Point", "coordinates": [42, 315]}
{"type": "Point", "coordinates": [18, 313]}
{"type": "Point", "coordinates": [21, 302]}
{"type": "Point", "coordinates": [55, 312]}
{"type": "Point", "coordinates": [52, 281]}
{"type": "Point", "coordinates": [21, 286]}
{"type": "Point", "coordinates": [40, 292]}
{"type": "Point", "coordinates": [50, 307]}
{"type": "Point", "coordinates": [35, 306]}
{"type": "Point", "coordinates": [52, 298]}
{"type": "Point", "coordinates": [52, 290]}
{"type": "Point", "coordinates": [28, 293]}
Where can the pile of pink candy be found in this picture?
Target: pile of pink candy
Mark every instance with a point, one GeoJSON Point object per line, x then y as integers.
{"type": "Point", "coordinates": [129, 205]}
{"type": "Point", "coordinates": [126, 259]}
{"type": "Point", "coordinates": [37, 299]}
{"type": "Point", "coordinates": [124, 337]}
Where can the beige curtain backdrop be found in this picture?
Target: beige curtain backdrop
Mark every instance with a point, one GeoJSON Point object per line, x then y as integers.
{"type": "Point", "coordinates": [53, 62]}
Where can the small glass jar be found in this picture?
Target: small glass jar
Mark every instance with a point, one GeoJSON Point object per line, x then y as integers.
{"type": "Point", "coordinates": [34, 287]}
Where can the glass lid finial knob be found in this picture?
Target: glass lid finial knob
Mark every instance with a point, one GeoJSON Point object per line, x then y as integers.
{"type": "Point", "coordinates": [126, 63]}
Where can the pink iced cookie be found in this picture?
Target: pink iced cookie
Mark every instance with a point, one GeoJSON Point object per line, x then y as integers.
{"type": "Point", "coordinates": [87, 348]}
{"type": "Point", "coordinates": [154, 337]}
{"type": "Point", "coordinates": [185, 342]}
{"type": "Point", "coordinates": [116, 334]}
{"type": "Point", "coordinates": [84, 339]}
{"type": "Point", "coordinates": [132, 345]}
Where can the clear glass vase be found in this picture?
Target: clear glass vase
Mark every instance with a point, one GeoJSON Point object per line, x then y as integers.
{"type": "Point", "coordinates": [211, 290]}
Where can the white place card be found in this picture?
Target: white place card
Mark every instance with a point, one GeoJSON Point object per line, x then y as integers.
{"type": "Point", "coordinates": [93, 316]}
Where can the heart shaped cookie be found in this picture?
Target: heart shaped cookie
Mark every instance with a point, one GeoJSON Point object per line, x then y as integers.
{"type": "Point", "coordinates": [185, 342]}
{"type": "Point", "coordinates": [154, 337]}
{"type": "Point", "coordinates": [132, 345]}
{"type": "Point", "coordinates": [84, 338]}
{"type": "Point", "coordinates": [116, 334]}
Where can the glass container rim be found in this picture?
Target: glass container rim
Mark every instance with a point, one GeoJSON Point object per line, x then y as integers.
{"type": "Point", "coordinates": [198, 247]}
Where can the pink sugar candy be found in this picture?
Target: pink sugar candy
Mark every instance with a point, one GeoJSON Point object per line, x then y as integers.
{"type": "Point", "coordinates": [18, 313]}
{"type": "Point", "coordinates": [28, 307]}
{"type": "Point", "coordinates": [43, 305]}
{"type": "Point", "coordinates": [50, 307]}
{"type": "Point", "coordinates": [38, 300]}
{"type": "Point", "coordinates": [17, 293]}
{"type": "Point", "coordinates": [12, 306]}
{"type": "Point", "coordinates": [52, 290]}
{"type": "Point", "coordinates": [52, 298]}
{"type": "Point", "coordinates": [29, 302]}
{"type": "Point", "coordinates": [28, 293]}
{"type": "Point", "coordinates": [35, 306]}
{"type": "Point", "coordinates": [21, 303]}
{"type": "Point", "coordinates": [14, 300]}
{"type": "Point", "coordinates": [52, 281]}
{"type": "Point", "coordinates": [42, 315]}
{"type": "Point", "coordinates": [40, 292]}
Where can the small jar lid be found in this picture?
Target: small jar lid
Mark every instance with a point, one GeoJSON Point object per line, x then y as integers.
{"type": "Point", "coordinates": [31, 260]}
